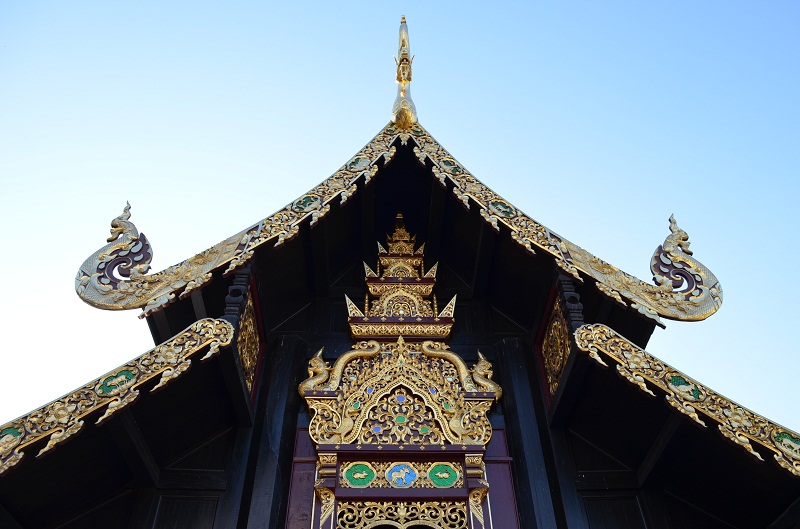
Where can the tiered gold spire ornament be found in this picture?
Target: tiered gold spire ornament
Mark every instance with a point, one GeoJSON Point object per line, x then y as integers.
{"type": "Point", "coordinates": [395, 418]}
{"type": "Point", "coordinates": [401, 292]}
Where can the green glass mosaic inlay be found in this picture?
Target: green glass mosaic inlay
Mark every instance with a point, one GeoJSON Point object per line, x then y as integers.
{"type": "Point", "coordinates": [13, 432]}
{"type": "Point", "coordinates": [359, 475]}
{"type": "Point", "coordinates": [443, 475]}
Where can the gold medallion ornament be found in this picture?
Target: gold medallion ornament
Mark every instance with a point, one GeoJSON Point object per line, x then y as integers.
{"type": "Point", "coordinates": [691, 398]}
{"type": "Point", "coordinates": [393, 474]}
{"type": "Point", "coordinates": [555, 347]}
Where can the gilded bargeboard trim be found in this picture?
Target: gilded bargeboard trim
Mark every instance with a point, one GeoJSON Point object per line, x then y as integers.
{"type": "Point", "coordinates": [62, 418]}
{"type": "Point", "coordinates": [688, 396]}
{"type": "Point", "coordinates": [152, 292]}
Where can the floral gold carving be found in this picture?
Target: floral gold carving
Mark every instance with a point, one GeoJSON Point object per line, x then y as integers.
{"type": "Point", "coordinates": [64, 417]}
{"type": "Point", "coordinates": [555, 346]}
{"type": "Point", "coordinates": [403, 515]}
{"type": "Point", "coordinates": [688, 396]}
{"type": "Point", "coordinates": [248, 342]}
{"type": "Point", "coordinates": [476, 497]}
{"type": "Point", "coordinates": [327, 459]}
{"type": "Point", "coordinates": [328, 502]}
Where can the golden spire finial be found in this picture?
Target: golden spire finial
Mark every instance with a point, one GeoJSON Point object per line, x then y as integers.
{"type": "Point", "coordinates": [404, 114]}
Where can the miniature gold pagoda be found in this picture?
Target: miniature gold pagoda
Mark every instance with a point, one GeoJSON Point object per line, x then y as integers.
{"type": "Point", "coordinates": [401, 291]}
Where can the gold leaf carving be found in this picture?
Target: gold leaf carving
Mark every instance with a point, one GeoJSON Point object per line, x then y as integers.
{"type": "Point", "coordinates": [403, 515]}
{"type": "Point", "coordinates": [248, 342]}
{"type": "Point", "coordinates": [684, 288]}
{"type": "Point", "coordinates": [399, 393]}
{"type": "Point", "coordinates": [555, 346]}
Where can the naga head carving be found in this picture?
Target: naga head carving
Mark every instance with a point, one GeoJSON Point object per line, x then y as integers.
{"type": "Point", "coordinates": [483, 367]}
{"type": "Point", "coordinates": [122, 225]}
{"type": "Point", "coordinates": [317, 365]}
{"type": "Point", "coordinates": [678, 237]}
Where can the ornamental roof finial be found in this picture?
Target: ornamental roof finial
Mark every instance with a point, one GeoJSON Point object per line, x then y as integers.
{"type": "Point", "coordinates": [404, 114]}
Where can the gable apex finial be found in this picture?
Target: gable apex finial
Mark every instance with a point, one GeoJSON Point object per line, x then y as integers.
{"type": "Point", "coordinates": [404, 114]}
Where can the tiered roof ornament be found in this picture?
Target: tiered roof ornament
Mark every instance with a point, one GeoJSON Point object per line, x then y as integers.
{"type": "Point", "coordinates": [401, 292]}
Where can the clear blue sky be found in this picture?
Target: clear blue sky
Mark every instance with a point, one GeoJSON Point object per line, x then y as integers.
{"type": "Point", "coordinates": [599, 119]}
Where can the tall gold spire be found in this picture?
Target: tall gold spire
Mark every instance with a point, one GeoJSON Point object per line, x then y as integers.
{"type": "Point", "coordinates": [404, 114]}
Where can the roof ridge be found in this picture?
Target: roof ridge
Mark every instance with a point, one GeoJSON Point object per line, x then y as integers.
{"type": "Point", "coordinates": [685, 289]}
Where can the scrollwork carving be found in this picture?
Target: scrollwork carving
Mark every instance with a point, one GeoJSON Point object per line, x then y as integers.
{"type": "Point", "coordinates": [249, 342]}
{"type": "Point", "coordinates": [403, 515]}
{"type": "Point", "coordinates": [407, 394]}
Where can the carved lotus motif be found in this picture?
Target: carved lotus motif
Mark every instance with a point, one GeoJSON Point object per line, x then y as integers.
{"type": "Point", "coordinates": [737, 417]}
{"type": "Point", "coordinates": [168, 356]}
{"type": "Point", "coordinates": [637, 361]}
{"type": "Point", "coordinates": [59, 413]}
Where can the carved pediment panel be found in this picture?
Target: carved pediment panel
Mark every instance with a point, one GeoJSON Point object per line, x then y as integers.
{"type": "Point", "coordinates": [400, 393]}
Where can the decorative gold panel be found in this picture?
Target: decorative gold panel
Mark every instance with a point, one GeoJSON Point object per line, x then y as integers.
{"type": "Point", "coordinates": [62, 418]}
{"type": "Point", "coordinates": [399, 394]}
{"type": "Point", "coordinates": [403, 515]}
{"type": "Point", "coordinates": [555, 346]}
{"type": "Point", "coordinates": [688, 396]}
{"type": "Point", "coordinates": [248, 342]}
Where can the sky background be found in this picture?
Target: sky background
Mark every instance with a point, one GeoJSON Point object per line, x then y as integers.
{"type": "Point", "coordinates": [598, 119]}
